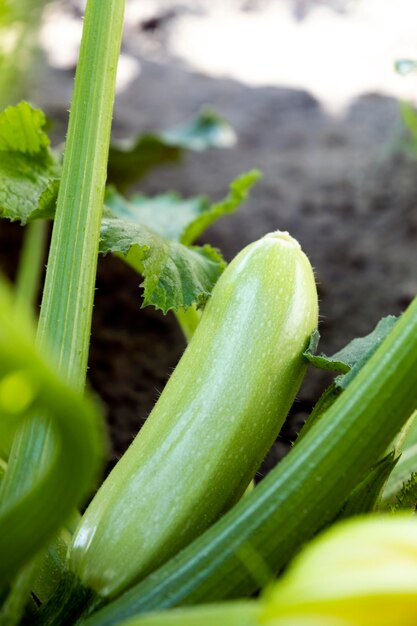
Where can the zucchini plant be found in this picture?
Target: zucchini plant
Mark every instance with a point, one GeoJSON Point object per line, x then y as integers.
{"type": "Point", "coordinates": [217, 417]}
{"type": "Point", "coordinates": [171, 524]}
{"type": "Point", "coordinates": [358, 573]}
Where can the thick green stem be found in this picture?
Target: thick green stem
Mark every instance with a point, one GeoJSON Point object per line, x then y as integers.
{"type": "Point", "coordinates": [304, 492]}
{"type": "Point", "coordinates": [188, 320]}
{"type": "Point", "coordinates": [65, 317]}
{"type": "Point", "coordinates": [67, 303]}
{"type": "Point", "coordinates": [31, 262]}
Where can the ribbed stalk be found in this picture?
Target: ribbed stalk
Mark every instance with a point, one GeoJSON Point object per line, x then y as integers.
{"type": "Point", "coordinates": [66, 311]}
{"type": "Point", "coordinates": [65, 317]}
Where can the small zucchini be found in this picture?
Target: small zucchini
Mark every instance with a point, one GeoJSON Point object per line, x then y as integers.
{"type": "Point", "coordinates": [217, 417]}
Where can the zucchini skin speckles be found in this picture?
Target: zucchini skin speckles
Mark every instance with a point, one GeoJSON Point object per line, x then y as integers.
{"type": "Point", "coordinates": [215, 420]}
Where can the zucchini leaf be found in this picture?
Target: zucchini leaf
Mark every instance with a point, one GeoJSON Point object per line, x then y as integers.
{"type": "Point", "coordinates": [174, 275]}
{"type": "Point", "coordinates": [383, 481]}
{"type": "Point", "coordinates": [347, 362]}
{"type": "Point", "coordinates": [152, 234]}
{"type": "Point", "coordinates": [355, 353]}
{"type": "Point", "coordinates": [130, 161]}
{"type": "Point", "coordinates": [406, 499]}
{"type": "Point", "coordinates": [176, 218]}
{"type": "Point", "coordinates": [206, 130]}
{"type": "Point", "coordinates": [29, 171]}
{"type": "Point", "coordinates": [401, 488]}
{"type": "Point", "coordinates": [365, 497]}
{"type": "Point", "coordinates": [167, 214]}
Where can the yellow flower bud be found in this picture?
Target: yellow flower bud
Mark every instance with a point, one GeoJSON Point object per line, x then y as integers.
{"type": "Point", "coordinates": [362, 572]}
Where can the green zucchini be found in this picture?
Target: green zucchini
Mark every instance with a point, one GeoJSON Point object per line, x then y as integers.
{"type": "Point", "coordinates": [214, 422]}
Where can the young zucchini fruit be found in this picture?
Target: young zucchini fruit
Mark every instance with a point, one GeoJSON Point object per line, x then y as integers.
{"type": "Point", "coordinates": [217, 417]}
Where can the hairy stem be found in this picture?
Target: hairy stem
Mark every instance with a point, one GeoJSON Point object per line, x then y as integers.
{"type": "Point", "coordinates": [188, 320]}
{"type": "Point", "coordinates": [66, 311]}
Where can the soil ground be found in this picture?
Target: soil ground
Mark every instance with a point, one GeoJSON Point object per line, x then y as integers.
{"type": "Point", "coordinates": [343, 185]}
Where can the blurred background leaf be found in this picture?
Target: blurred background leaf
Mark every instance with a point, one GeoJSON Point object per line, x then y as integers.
{"type": "Point", "coordinates": [19, 30]}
